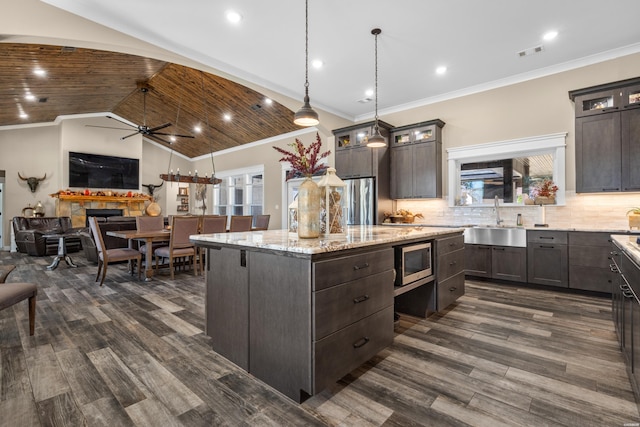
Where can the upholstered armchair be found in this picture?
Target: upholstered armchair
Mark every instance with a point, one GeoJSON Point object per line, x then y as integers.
{"type": "Point", "coordinates": [30, 232]}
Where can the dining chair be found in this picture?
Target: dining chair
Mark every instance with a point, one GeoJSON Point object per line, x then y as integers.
{"type": "Point", "coordinates": [262, 222]}
{"type": "Point", "coordinates": [213, 224]}
{"type": "Point", "coordinates": [107, 256]}
{"type": "Point", "coordinates": [240, 223]}
{"type": "Point", "coordinates": [179, 245]}
{"type": "Point", "coordinates": [150, 223]}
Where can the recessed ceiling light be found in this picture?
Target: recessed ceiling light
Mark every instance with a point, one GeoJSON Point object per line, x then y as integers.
{"type": "Point", "coordinates": [317, 64]}
{"type": "Point", "coordinates": [29, 97]}
{"type": "Point", "coordinates": [197, 129]}
{"type": "Point", "coordinates": [268, 101]}
{"type": "Point", "coordinates": [369, 92]}
{"type": "Point", "coordinates": [24, 116]}
{"type": "Point", "coordinates": [550, 35]}
{"type": "Point", "coordinates": [172, 138]}
{"type": "Point", "coordinates": [441, 70]}
{"type": "Point", "coordinates": [227, 117]}
{"type": "Point", "coordinates": [39, 72]}
{"type": "Point", "coordinates": [233, 16]}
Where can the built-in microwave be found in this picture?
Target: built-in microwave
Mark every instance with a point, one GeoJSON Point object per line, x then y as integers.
{"type": "Point", "coordinates": [413, 262]}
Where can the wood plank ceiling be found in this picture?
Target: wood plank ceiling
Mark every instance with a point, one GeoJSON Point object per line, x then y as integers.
{"type": "Point", "coordinates": [80, 81]}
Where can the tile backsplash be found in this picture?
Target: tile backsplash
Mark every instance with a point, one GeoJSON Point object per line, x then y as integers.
{"type": "Point", "coordinates": [582, 211]}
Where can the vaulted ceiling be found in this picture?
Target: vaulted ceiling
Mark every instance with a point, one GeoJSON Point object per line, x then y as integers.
{"type": "Point", "coordinates": [83, 81]}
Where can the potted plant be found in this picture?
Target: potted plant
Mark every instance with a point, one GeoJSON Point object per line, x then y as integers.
{"type": "Point", "coordinates": [544, 192]}
{"type": "Point", "coordinates": [634, 217]}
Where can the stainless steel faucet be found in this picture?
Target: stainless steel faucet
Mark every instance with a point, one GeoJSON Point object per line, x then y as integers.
{"type": "Point", "coordinates": [496, 203]}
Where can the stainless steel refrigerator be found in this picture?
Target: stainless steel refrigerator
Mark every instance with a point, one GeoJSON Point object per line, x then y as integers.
{"type": "Point", "coordinates": [360, 201]}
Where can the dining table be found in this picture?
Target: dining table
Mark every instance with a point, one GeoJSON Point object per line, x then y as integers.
{"type": "Point", "coordinates": [147, 237]}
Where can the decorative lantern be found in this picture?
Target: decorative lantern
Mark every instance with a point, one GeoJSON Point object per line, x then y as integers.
{"type": "Point", "coordinates": [293, 217]}
{"type": "Point", "coordinates": [331, 213]}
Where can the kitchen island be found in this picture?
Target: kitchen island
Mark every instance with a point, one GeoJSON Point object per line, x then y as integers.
{"type": "Point", "coordinates": [299, 314]}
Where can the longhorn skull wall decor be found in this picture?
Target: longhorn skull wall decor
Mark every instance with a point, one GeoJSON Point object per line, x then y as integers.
{"type": "Point", "coordinates": [151, 187]}
{"type": "Point", "coordinates": [32, 181]}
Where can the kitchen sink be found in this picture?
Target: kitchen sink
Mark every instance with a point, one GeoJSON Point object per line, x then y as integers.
{"type": "Point", "coordinates": [496, 235]}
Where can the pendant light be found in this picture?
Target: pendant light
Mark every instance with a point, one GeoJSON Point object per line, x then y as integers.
{"type": "Point", "coordinates": [376, 140]}
{"type": "Point", "coordinates": [306, 116]}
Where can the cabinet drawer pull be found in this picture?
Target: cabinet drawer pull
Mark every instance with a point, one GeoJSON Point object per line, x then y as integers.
{"type": "Point", "coordinates": [453, 288]}
{"type": "Point", "coordinates": [547, 237]}
{"type": "Point", "coordinates": [362, 341]}
{"type": "Point", "coordinates": [498, 249]}
{"type": "Point", "coordinates": [604, 110]}
{"type": "Point", "coordinates": [360, 299]}
{"type": "Point", "coordinates": [360, 267]}
{"type": "Point", "coordinates": [547, 247]}
{"type": "Point", "coordinates": [611, 189]}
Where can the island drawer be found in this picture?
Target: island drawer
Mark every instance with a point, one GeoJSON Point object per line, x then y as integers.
{"type": "Point", "coordinates": [449, 290]}
{"type": "Point", "coordinates": [342, 305]}
{"type": "Point", "coordinates": [450, 264]}
{"type": "Point", "coordinates": [348, 268]}
{"type": "Point", "coordinates": [342, 352]}
{"type": "Point", "coordinates": [540, 236]}
{"type": "Point", "coordinates": [449, 244]}
{"type": "Point", "coordinates": [590, 238]}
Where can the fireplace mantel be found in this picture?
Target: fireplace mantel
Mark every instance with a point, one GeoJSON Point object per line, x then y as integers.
{"type": "Point", "coordinates": [75, 206]}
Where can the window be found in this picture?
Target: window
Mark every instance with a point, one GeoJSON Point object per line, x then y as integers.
{"type": "Point", "coordinates": [241, 192]}
{"type": "Point", "coordinates": [478, 173]}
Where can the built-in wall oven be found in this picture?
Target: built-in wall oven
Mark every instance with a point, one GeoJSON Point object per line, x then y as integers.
{"type": "Point", "coordinates": [413, 262]}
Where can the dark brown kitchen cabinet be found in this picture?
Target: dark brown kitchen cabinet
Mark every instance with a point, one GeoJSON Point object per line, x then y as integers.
{"type": "Point", "coordinates": [589, 261]}
{"type": "Point", "coordinates": [416, 160]}
{"type": "Point", "coordinates": [496, 262]}
{"type": "Point", "coordinates": [353, 159]}
{"type": "Point", "coordinates": [626, 311]}
{"type": "Point", "coordinates": [547, 261]}
{"type": "Point", "coordinates": [231, 267]}
{"type": "Point", "coordinates": [450, 270]}
{"type": "Point", "coordinates": [607, 139]}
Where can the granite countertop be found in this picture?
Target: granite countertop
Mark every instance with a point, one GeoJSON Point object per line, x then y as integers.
{"type": "Point", "coordinates": [357, 236]}
{"type": "Point", "coordinates": [629, 245]}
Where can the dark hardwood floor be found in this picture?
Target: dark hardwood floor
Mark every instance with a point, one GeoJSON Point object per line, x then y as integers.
{"type": "Point", "coordinates": [134, 353]}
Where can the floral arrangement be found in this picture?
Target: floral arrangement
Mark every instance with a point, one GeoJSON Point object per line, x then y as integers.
{"type": "Point", "coordinates": [545, 188]}
{"type": "Point", "coordinates": [304, 160]}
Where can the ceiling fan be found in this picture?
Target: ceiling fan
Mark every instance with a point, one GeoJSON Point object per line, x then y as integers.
{"type": "Point", "coordinates": [143, 129]}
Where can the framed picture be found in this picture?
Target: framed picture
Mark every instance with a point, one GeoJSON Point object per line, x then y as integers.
{"type": "Point", "coordinates": [184, 200]}
{"type": "Point", "coordinates": [183, 191]}
{"type": "Point", "coordinates": [183, 208]}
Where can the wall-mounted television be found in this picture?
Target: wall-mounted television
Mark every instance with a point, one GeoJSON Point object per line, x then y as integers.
{"type": "Point", "coordinates": [97, 171]}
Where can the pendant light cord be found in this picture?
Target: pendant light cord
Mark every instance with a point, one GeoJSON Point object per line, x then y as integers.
{"type": "Point", "coordinates": [377, 129]}
{"type": "Point", "coordinates": [306, 47]}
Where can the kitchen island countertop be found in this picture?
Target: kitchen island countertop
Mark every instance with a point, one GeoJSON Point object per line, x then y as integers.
{"type": "Point", "coordinates": [356, 236]}
{"type": "Point", "coordinates": [629, 245]}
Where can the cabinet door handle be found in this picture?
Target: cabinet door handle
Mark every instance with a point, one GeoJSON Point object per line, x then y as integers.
{"type": "Point", "coordinates": [360, 299]}
{"type": "Point", "coordinates": [453, 288]}
{"type": "Point", "coordinates": [452, 263]}
{"type": "Point", "coordinates": [360, 267]}
{"type": "Point", "coordinates": [499, 249]}
{"type": "Point", "coordinates": [362, 341]}
{"type": "Point", "coordinates": [604, 110]}
{"type": "Point", "coordinates": [611, 189]}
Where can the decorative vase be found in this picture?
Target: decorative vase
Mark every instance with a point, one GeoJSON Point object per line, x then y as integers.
{"type": "Point", "coordinates": [153, 209]}
{"type": "Point", "coordinates": [634, 221]}
{"type": "Point", "coordinates": [308, 209]}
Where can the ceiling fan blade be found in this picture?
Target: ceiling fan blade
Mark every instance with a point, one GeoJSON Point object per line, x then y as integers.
{"type": "Point", "coordinates": [105, 127]}
{"type": "Point", "coordinates": [129, 136]}
{"type": "Point", "coordinates": [150, 130]}
{"type": "Point", "coordinates": [153, 136]}
{"type": "Point", "coordinates": [121, 121]}
{"type": "Point", "coordinates": [171, 134]}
